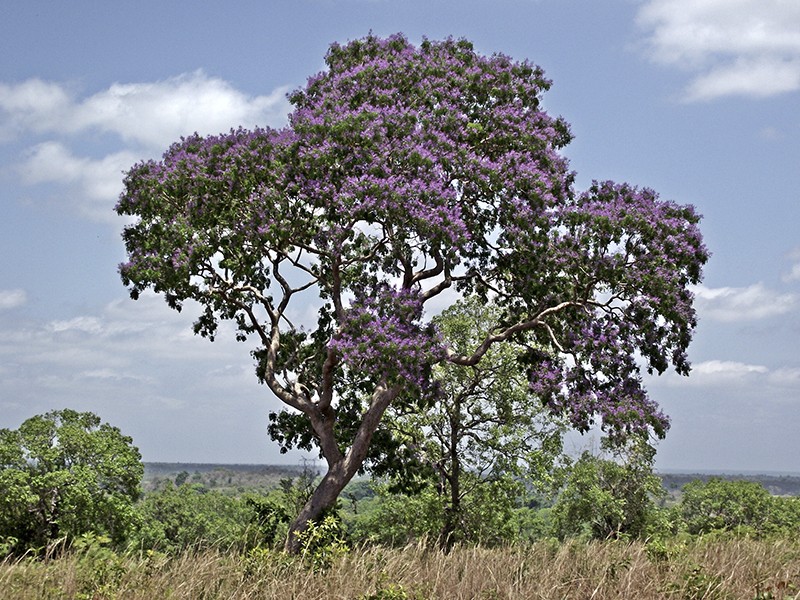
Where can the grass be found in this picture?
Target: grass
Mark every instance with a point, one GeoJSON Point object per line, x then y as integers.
{"type": "Point", "coordinates": [698, 569]}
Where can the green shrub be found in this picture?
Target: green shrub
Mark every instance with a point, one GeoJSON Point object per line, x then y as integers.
{"type": "Point", "coordinates": [743, 507]}
{"type": "Point", "coordinates": [177, 518]}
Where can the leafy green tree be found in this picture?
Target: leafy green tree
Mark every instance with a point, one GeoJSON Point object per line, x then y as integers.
{"type": "Point", "coordinates": [723, 505]}
{"type": "Point", "coordinates": [785, 515]}
{"type": "Point", "coordinates": [64, 474]}
{"type": "Point", "coordinates": [404, 172]}
{"type": "Point", "coordinates": [395, 518]}
{"type": "Point", "coordinates": [486, 428]}
{"type": "Point", "coordinates": [176, 518]}
{"type": "Point", "coordinates": [606, 498]}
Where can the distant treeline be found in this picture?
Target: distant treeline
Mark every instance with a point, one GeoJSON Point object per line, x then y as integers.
{"type": "Point", "coordinates": [260, 476]}
{"type": "Point", "coordinates": [777, 485]}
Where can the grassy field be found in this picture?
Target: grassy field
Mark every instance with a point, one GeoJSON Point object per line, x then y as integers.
{"type": "Point", "coordinates": [714, 569]}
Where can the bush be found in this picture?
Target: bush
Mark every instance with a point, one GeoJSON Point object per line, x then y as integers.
{"type": "Point", "coordinates": [176, 518]}
{"type": "Point", "coordinates": [719, 505]}
{"type": "Point", "coordinates": [739, 507]}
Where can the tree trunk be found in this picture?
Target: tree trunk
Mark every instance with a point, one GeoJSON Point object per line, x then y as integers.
{"type": "Point", "coordinates": [452, 513]}
{"type": "Point", "coordinates": [341, 468]}
{"type": "Point", "coordinates": [323, 498]}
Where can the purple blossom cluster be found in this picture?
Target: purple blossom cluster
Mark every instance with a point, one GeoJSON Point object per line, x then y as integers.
{"type": "Point", "coordinates": [597, 377]}
{"type": "Point", "coordinates": [382, 335]}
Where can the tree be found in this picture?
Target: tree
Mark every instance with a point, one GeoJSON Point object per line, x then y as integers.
{"type": "Point", "coordinates": [486, 428]}
{"type": "Point", "coordinates": [719, 504]}
{"type": "Point", "coordinates": [64, 474]}
{"type": "Point", "coordinates": [607, 498]}
{"type": "Point", "coordinates": [175, 518]}
{"type": "Point", "coordinates": [404, 172]}
{"type": "Point", "coordinates": [491, 513]}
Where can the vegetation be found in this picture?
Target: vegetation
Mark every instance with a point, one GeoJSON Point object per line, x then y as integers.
{"type": "Point", "coordinates": [406, 172]}
{"type": "Point", "coordinates": [610, 499]}
{"type": "Point", "coordinates": [485, 438]}
{"type": "Point", "coordinates": [65, 474]}
{"type": "Point", "coordinates": [741, 569]}
{"type": "Point", "coordinates": [605, 533]}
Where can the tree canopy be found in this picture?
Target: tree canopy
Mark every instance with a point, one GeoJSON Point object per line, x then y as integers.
{"type": "Point", "coordinates": [406, 176]}
{"type": "Point", "coordinates": [64, 474]}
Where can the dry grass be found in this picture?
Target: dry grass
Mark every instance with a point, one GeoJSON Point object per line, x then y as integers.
{"type": "Point", "coordinates": [732, 569]}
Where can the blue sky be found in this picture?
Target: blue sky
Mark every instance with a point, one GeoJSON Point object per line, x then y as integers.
{"type": "Point", "coordinates": [697, 99]}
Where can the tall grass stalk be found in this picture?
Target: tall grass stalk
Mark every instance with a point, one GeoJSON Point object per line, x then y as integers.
{"type": "Point", "coordinates": [714, 569]}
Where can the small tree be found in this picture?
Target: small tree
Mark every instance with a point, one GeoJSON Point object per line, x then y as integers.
{"type": "Point", "coordinates": [485, 430]}
{"type": "Point", "coordinates": [64, 474]}
{"type": "Point", "coordinates": [606, 498]}
{"type": "Point", "coordinates": [723, 505]}
{"type": "Point", "coordinates": [405, 172]}
{"type": "Point", "coordinates": [174, 518]}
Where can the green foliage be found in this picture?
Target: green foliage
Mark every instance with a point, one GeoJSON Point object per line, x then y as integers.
{"type": "Point", "coordinates": [785, 515]}
{"type": "Point", "coordinates": [608, 499]}
{"type": "Point", "coordinates": [390, 592]}
{"type": "Point", "coordinates": [491, 514]}
{"type": "Point", "coordinates": [99, 568]}
{"type": "Point", "coordinates": [741, 507]}
{"type": "Point", "coordinates": [65, 474]}
{"type": "Point", "coordinates": [697, 584]}
{"type": "Point", "coordinates": [270, 516]}
{"type": "Point", "coordinates": [188, 516]}
{"type": "Point", "coordinates": [485, 434]}
{"type": "Point", "coordinates": [323, 542]}
{"type": "Point", "coordinates": [397, 519]}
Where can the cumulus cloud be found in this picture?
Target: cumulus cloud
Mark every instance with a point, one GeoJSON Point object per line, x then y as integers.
{"type": "Point", "coordinates": [742, 304]}
{"type": "Point", "coordinates": [150, 114]}
{"type": "Point", "coordinates": [94, 184]}
{"type": "Point", "coordinates": [733, 47]}
{"type": "Point", "coordinates": [727, 369]}
{"type": "Point", "coordinates": [12, 298]}
{"type": "Point", "coordinates": [32, 105]}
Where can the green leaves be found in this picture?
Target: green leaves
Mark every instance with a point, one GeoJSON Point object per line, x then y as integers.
{"type": "Point", "coordinates": [63, 474]}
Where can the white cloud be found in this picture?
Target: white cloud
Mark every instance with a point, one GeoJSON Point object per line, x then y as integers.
{"type": "Point", "coordinates": [785, 377]}
{"type": "Point", "coordinates": [12, 298]}
{"type": "Point", "coordinates": [742, 304]}
{"type": "Point", "coordinates": [794, 272]}
{"type": "Point", "coordinates": [32, 105]}
{"type": "Point", "coordinates": [727, 369]}
{"type": "Point", "coordinates": [149, 114]}
{"type": "Point", "coordinates": [157, 114]}
{"type": "Point", "coordinates": [126, 349]}
{"type": "Point", "coordinates": [735, 376]}
{"type": "Point", "coordinates": [758, 78]}
{"type": "Point", "coordinates": [94, 185]}
{"type": "Point", "coordinates": [82, 324]}
{"type": "Point", "coordinates": [734, 47]}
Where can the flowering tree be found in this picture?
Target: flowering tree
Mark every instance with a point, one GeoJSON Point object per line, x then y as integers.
{"type": "Point", "coordinates": [406, 172]}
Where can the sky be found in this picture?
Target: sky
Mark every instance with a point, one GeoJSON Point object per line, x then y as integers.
{"type": "Point", "coordinates": [697, 99]}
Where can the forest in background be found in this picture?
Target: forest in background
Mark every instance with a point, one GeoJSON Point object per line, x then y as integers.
{"type": "Point", "coordinates": [230, 476]}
